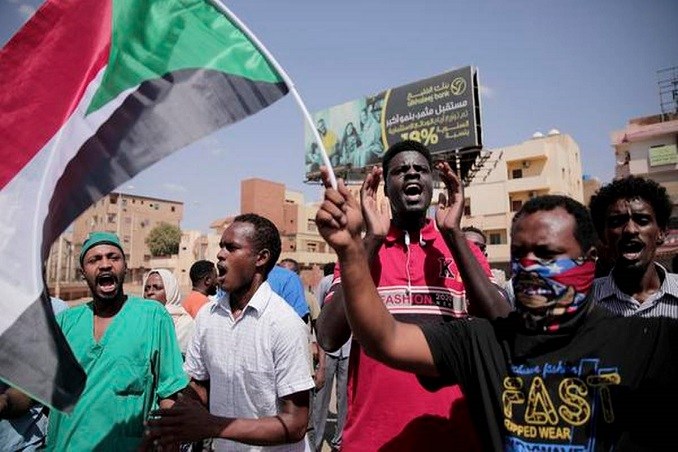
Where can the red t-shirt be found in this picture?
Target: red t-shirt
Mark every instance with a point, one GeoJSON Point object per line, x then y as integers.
{"type": "Point", "coordinates": [389, 409]}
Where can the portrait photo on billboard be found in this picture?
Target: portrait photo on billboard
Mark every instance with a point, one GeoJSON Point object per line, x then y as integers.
{"type": "Point", "coordinates": [351, 134]}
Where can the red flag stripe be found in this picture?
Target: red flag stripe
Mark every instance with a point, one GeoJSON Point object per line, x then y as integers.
{"type": "Point", "coordinates": [71, 50]}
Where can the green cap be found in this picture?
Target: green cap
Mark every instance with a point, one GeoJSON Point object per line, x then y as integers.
{"type": "Point", "coordinates": [99, 238]}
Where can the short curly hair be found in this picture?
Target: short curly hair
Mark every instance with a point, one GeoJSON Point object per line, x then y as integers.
{"type": "Point", "coordinates": [628, 188]}
{"type": "Point", "coordinates": [200, 270]}
{"type": "Point", "coordinates": [584, 232]}
{"type": "Point", "coordinates": [402, 146]}
{"type": "Point", "coordinates": [266, 236]}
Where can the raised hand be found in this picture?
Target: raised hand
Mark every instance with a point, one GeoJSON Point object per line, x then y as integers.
{"type": "Point", "coordinates": [376, 216]}
{"type": "Point", "coordinates": [338, 219]}
{"type": "Point", "coordinates": [450, 207]}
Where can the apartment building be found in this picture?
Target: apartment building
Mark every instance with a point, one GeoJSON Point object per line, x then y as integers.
{"type": "Point", "coordinates": [507, 177]}
{"type": "Point", "coordinates": [131, 218]}
{"type": "Point", "coordinates": [648, 147]}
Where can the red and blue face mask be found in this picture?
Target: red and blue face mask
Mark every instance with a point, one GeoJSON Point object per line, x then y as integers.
{"type": "Point", "coordinates": [547, 292]}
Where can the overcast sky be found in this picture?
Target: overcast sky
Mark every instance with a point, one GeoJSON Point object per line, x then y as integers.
{"type": "Point", "coordinates": [584, 67]}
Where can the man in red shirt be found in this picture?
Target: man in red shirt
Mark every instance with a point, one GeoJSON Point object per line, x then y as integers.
{"type": "Point", "coordinates": [419, 282]}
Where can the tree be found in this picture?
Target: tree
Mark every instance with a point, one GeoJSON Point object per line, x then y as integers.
{"type": "Point", "coordinates": [163, 240]}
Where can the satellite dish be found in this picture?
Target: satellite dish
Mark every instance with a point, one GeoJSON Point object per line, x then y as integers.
{"type": "Point", "coordinates": [554, 132]}
{"type": "Point", "coordinates": [537, 135]}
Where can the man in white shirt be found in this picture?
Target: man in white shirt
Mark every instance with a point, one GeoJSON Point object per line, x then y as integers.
{"type": "Point", "coordinates": [248, 359]}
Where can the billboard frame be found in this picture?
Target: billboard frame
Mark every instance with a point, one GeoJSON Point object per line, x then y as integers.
{"type": "Point", "coordinates": [443, 112]}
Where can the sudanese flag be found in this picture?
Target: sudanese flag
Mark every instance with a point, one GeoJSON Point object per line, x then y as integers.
{"type": "Point", "coordinates": [93, 92]}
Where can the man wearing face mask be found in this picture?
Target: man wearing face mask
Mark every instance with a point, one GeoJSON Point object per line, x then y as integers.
{"type": "Point", "coordinates": [558, 373]}
{"type": "Point", "coordinates": [631, 216]}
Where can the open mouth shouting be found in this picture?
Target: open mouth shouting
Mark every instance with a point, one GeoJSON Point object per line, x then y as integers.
{"type": "Point", "coordinates": [107, 283]}
{"type": "Point", "coordinates": [413, 192]}
{"type": "Point", "coordinates": [221, 274]}
{"type": "Point", "coordinates": [631, 250]}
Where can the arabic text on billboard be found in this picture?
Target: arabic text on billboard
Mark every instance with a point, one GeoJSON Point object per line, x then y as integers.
{"type": "Point", "coordinates": [442, 112]}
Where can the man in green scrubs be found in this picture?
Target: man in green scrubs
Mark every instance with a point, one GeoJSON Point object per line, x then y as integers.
{"type": "Point", "coordinates": [129, 351]}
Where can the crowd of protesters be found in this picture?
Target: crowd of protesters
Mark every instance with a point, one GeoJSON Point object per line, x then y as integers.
{"type": "Point", "coordinates": [428, 349]}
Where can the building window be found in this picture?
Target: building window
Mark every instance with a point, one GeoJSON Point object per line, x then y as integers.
{"type": "Point", "coordinates": [516, 204]}
{"type": "Point", "coordinates": [173, 208]}
{"type": "Point", "coordinates": [495, 238]}
{"type": "Point", "coordinates": [124, 203]}
{"type": "Point", "coordinates": [112, 218]}
{"type": "Point", "coordinates": [312, 227]}
{"type": "Point", "coordinates": [312, 247]}
{"type": "Point", "coordinates": [128, 220]}
{"type": "Point", "coordinates": [517, 173]}
{"type": "Point", "coordinates": [467, 207]}
{"type": "Point", "coordinates": [126, 239]}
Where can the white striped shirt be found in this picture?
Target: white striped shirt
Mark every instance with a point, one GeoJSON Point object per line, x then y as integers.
{"type": "Point", "coordinates": [251, 361]}
{"type": "Point", "coordinates": [663, 303]}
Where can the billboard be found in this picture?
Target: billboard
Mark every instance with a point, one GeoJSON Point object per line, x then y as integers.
{"type": "Point", "coordinates": [443, 112]}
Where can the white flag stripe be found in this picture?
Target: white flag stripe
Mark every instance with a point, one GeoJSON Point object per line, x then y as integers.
{"type": "Point", "coordinates": [25, 207]}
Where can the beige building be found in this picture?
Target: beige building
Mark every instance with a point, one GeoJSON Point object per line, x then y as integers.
{"type": "Point", "coordinates": [62, 269]}
{"type": "Point", "coordinates": [510, 176]}
{"type": "Point", "coordinates": [591, 186]}
{"type": "Point", "coordinates": [131, 218]}
{"type": "Point", "coordinates": [648, 147]}
{"type": "Point", "coordinates": [192, 247]}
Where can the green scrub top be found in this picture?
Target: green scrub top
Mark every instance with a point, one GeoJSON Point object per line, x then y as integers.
{"type": "Point", "coordinates": [136, 363]}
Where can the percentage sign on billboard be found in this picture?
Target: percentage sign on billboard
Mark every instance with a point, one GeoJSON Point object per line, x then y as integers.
{"type": "Point", "coordinates": [426, 136]}
{"type": "Point", "coordinates": [429, 136]}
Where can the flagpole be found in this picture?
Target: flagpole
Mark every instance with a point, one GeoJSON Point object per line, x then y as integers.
{"type": "Point", "coordinates": [288, 81]}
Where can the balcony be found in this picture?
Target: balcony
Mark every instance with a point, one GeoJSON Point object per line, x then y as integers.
{"type": "Point", "coordinates": [527, 184]}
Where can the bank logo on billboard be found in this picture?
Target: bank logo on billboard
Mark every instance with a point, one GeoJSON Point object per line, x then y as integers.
{"type": "Point", "coordinates": [458, 86]}
{"type": "Point", "coordinates": [442, 112]}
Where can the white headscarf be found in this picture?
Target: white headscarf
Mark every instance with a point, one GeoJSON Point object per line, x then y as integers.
{"type": "Point", "coordinates": [183, 322]}
{"type": "Point", "coordinates": [171, 284]}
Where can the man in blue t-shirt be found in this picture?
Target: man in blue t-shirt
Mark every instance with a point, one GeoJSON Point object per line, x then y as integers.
{"type": "Point", "coordinates": [288, 285]}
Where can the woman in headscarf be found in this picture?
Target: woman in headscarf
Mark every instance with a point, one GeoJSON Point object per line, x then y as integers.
{"type": "Point", "coordinates": [161, 285]}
